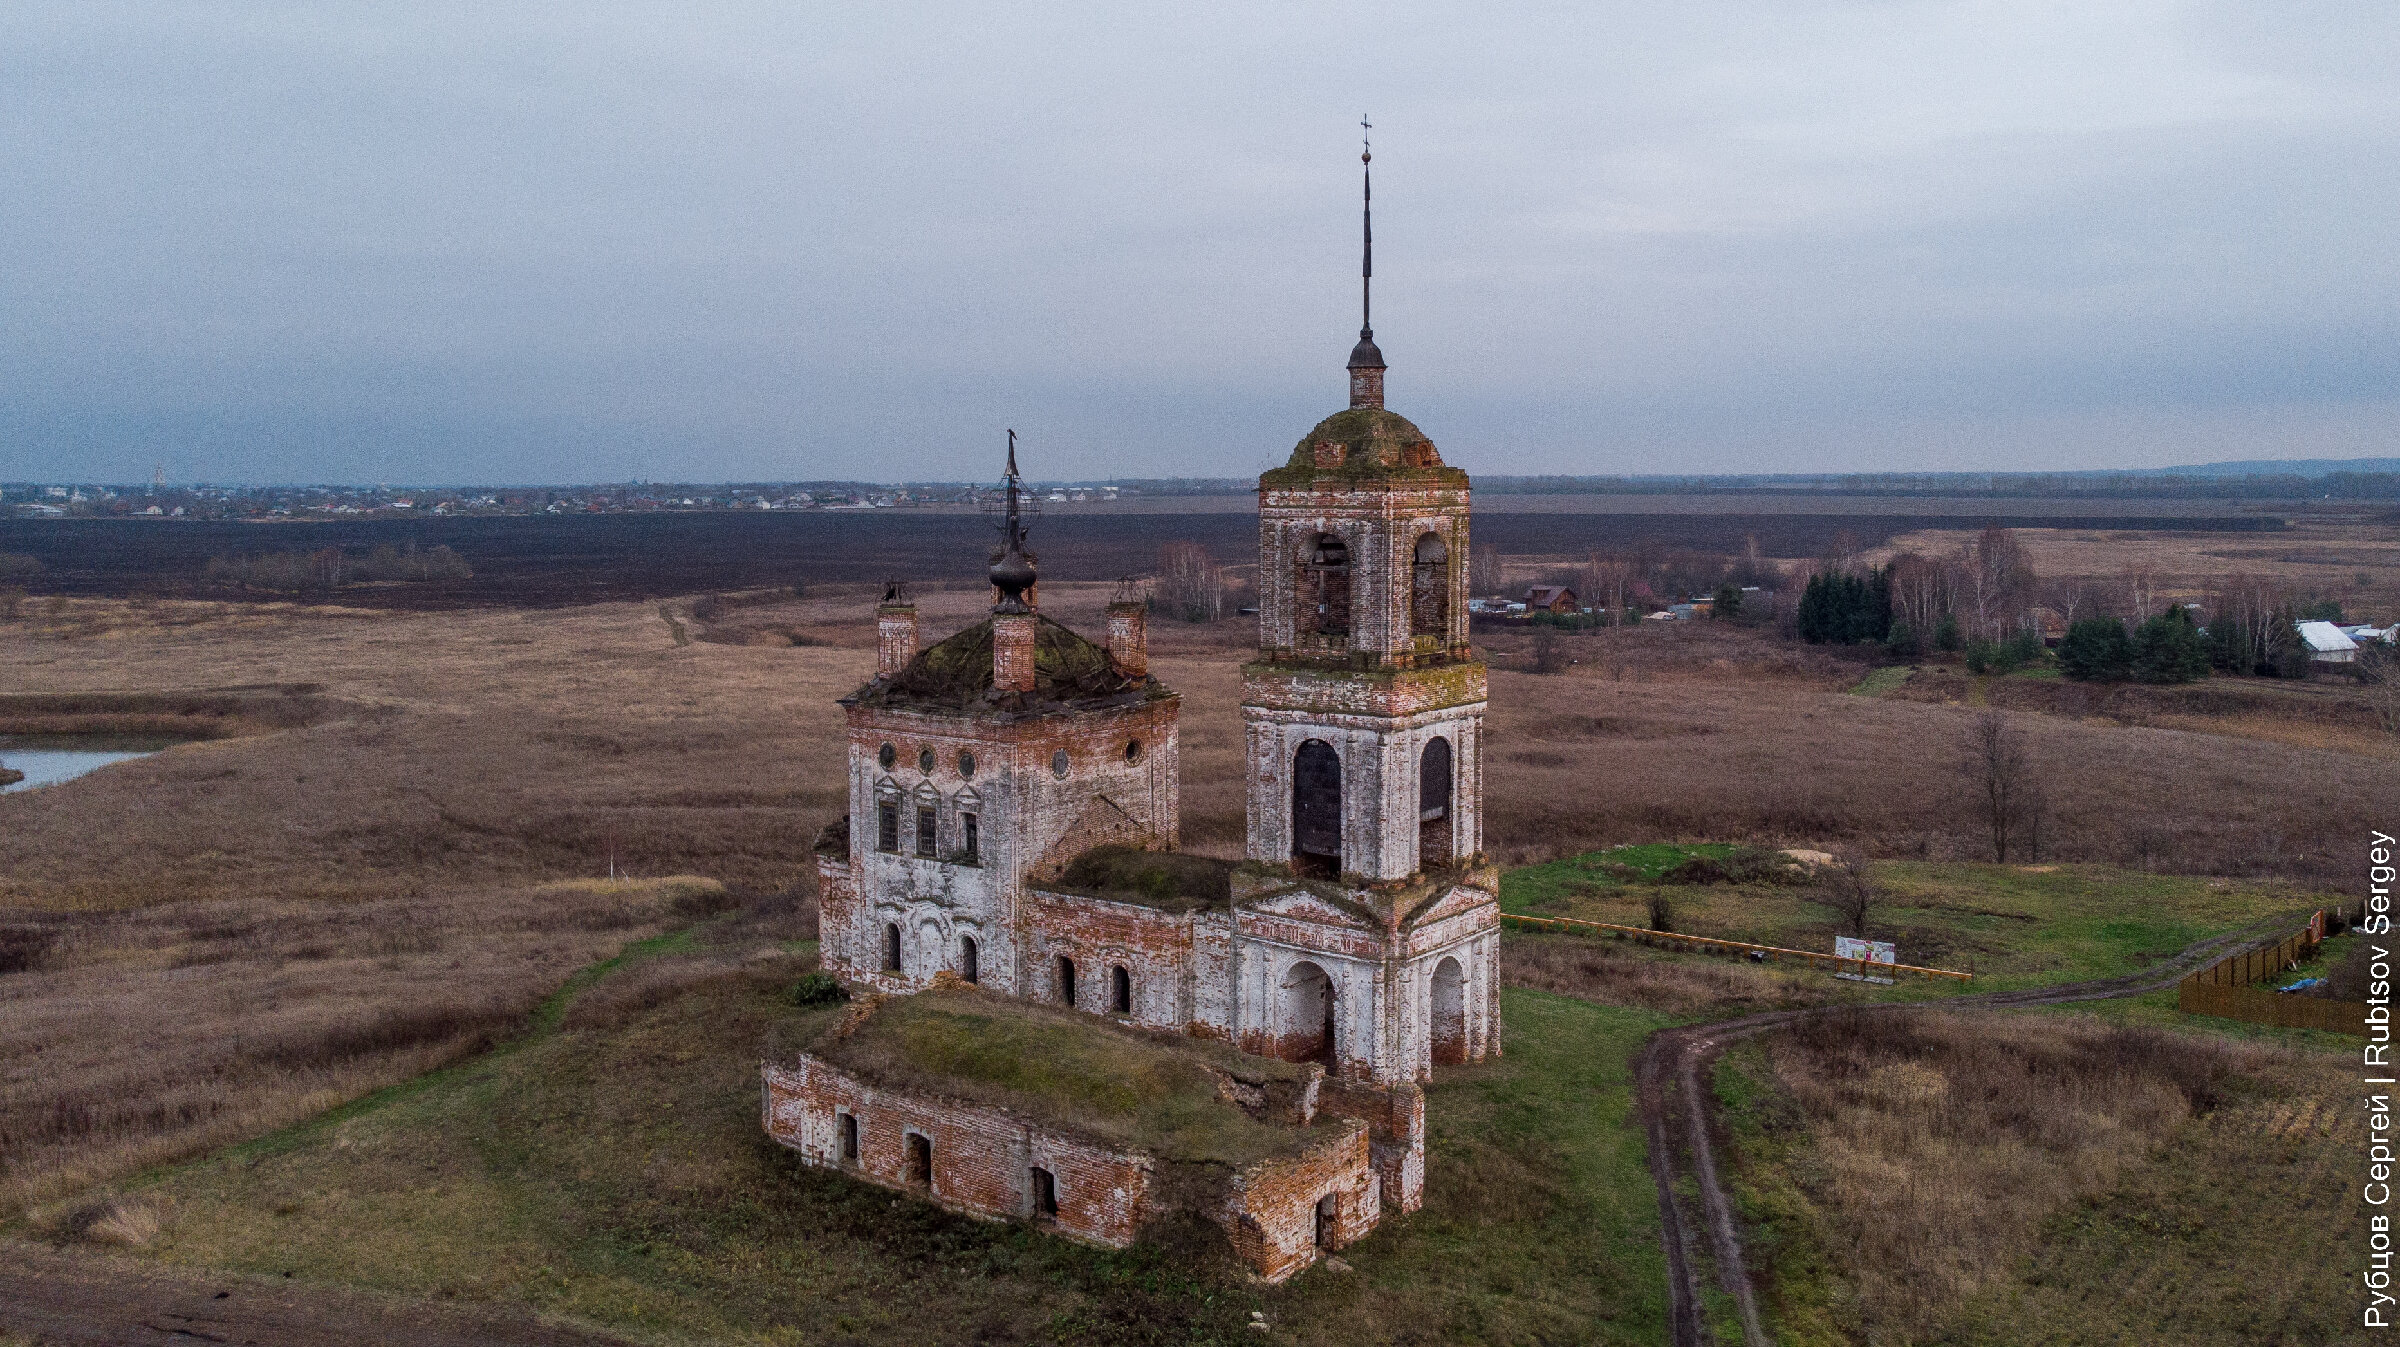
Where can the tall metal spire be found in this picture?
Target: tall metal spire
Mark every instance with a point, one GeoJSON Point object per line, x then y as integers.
{"type": "Point", "coordinates": [1012, 570]}
{"type": "Point", "coordinates": [1366, 258]}
{"type": "Point", "coordinates": [1366, 361]}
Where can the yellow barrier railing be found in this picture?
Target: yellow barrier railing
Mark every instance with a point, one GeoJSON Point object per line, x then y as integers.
{"type": "Point", "coordinates": [1710, 945]}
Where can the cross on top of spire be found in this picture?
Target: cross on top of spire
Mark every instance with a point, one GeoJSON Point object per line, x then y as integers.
{"type": "Point", "coordinates": [1366, 360]}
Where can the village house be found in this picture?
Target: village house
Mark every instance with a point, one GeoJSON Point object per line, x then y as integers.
{"type": "Point", "coordinates": [1009, 861]}
{"type": "Point", "coordinates": [1550, 599]}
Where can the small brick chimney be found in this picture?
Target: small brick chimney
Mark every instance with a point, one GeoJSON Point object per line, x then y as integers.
{"type": "Point", "coordinates": [895, 637]}
{"type": "Point", "coordinates": [1012, 651]}
{"type": "Point", "coordinates": [1129, 638]}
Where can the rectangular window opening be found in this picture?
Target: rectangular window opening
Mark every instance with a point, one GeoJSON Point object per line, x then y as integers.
{"type": "Point", "coordinates": [887, 826]}
{"type": "Point", "coordinates": [1045, 1194]}
{"type": "Point", "coordinates": [848, 1123]}
{"type": "Point", "coordinates": [920, 1158]}
{"type": "Point", "coordinates": [968, 844]}
{"type": "Point", "coordinates": [925, 832]}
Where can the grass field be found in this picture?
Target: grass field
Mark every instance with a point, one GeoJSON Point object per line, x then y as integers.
{"type": "Point", "coordinates": [2044, 1177]}
{"type": "Point", "coordinates": [612, 1169]}
{"type": "Point", "coordinates": [2011, 926]}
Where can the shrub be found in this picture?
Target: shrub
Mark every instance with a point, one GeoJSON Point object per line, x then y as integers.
{"type": "Point", "coordinates": [1662, 912]}
{"type": "Point", "coordinates": [1945, 633]}
{"type": "Point", "coordinates": [816, 989]}
{"type": "Point", "coordinates": [1697, 870]}
{"type": "Point", "coordinates": [1902, 643]}
{"type": "Point", "coordinates": [18, 569]}
{"type": "Point", "coordinates": [2168, 649]}
{"type": "Point", "coordinates": [2096, 648]}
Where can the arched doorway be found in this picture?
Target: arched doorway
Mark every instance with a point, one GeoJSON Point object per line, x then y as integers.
{"type": "Point", "coordinates": [1429, 587]}
{"type": "Point", "coordinates": [1449, 1014]}
{"type": "Point", "coordinates": [1317, 810]}
{"type": "Point", "coordinates": [1065, 979]}
{"type": "Point", "coordinates": [891, 947]}
{"type": "Point", "coordinates": [968, 959]}
{"type": "Point", "coordinates": [1434, 824]}
{"type": "Point", "coordinates": [1307, 1030]}
{"type": "Point", "coordinates": [1324, 588]}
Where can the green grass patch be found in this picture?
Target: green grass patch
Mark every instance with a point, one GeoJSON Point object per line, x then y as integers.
{"type": "Point", "coordinates": [618, 1175]}
{"type": "Point", "coordinates": [1542, 890]}
{"type": "Point", "coordinates": [2011, 926]}
{"type": "Point", "coordinates": [1882, 681]}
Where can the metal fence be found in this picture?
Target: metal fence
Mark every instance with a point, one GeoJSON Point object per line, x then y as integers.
{"type": "Point", "coordinates": [2227, 987]}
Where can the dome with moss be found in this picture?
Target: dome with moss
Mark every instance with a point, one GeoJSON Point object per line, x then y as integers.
{"type": "Point", "coordinates": [956, 674]}
{"type": "Point", "coordinates": [1363, 442]}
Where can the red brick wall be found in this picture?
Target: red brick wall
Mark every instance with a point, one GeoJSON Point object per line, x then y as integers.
{"type": "Point", "coordinates": [1270, 1214]}
{"type": "Point", "coordinates": [982, 1158]}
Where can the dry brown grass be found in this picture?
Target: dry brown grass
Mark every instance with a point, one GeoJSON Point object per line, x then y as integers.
{"type": "Point", "coordinates": [1614, 974]}
{"type": "Point", "coordinates": [193, 921]}
{"type": "Point", "coordinates": [148, 1035]}
{"type": "Point", "coordinates": [1933, 1148]}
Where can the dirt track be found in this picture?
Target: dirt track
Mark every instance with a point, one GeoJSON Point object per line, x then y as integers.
{"type": "Point", "coordinates": [1668, 1078]}
{"type": "Point", "coordinates": [52, 1297]}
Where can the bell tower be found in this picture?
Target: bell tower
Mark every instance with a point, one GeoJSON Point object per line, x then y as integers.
{"type": "Point", "coordinates": [1370, 933]}
{"type": "Point", "coordinates": [1365, 705]}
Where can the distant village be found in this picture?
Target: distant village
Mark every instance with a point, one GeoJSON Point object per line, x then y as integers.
{"type": "Point", "coordinates": [266, 503]}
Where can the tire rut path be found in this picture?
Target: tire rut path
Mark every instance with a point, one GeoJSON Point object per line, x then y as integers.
{"type": "Point", "coordinates": [1670, 1090]}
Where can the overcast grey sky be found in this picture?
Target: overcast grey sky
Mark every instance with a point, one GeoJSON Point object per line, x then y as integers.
{"type": "Point", "coordinates": [582, 241]}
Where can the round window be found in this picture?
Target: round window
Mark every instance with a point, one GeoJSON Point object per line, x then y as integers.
{"type": "Point", "coordinates": [1133, 750]}
{"type": "Point", "coordinates": [925, 761]}
{"type": "Point", "coordinates": [1058, 764]}
{"type": "Point", "coordinates": [887, 755]}
{"type": "Point", "coordinates": [966, 763]}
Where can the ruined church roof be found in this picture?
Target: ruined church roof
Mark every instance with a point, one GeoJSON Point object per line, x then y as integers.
{"type": "Point", "coordinates": [1155, 1092]}
{"type": "Point", "coordinates": [1374, 444]}
{"type": "Point", "coordinates": [955, 674]}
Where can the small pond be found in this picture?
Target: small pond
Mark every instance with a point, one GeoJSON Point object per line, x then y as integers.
{"type": "Point", "coordinates": [47, 759]}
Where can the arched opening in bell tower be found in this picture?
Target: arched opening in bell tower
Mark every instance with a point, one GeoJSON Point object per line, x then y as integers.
{"type": "Point", "coordinates": [1429, 588]}
{"type": "Point", "coordinates": [1449, 1014]}
{"type": "Point", "coordinates": [1434, 814]}
{"type": "Point", "coordinates": [1324, 586]}
{"type": "Point", "coordinates": [1307, 1029]}
{"type": "Point", "coordinates": [1317, 810]}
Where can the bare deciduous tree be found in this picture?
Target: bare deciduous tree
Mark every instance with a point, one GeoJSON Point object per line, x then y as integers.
{"type": "Point", "coordinates": [1484, 576]}
{"type": "Point", "coordinates": [2378, 669]}
{"type": "Point", "coordinates": [1190, 583]}
{"type": "Point", "coordinates": [2000, 777]}
{"type": "Point", "coordinates": [1998, 582]}
{"type": "Point", "coordinates": [1851, 894]}
{"type": "Point", "coordinates": [1608, 578]}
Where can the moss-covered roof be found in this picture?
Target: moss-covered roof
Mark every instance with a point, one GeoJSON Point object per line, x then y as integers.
{"type": "Point", "coordinates": [1169, 880]}
{"type": "Point", "coordinates": [1134, 1090]}
{"type": "Point", "coordinates": [1375, 444]}
{"type": "Point", "coordinates": [956, 674]}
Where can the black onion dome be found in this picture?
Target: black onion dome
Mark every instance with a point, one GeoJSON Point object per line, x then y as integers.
{"type": "Point", "coordinates": [1366, 355]}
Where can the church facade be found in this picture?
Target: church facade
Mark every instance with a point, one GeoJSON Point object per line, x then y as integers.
{"type": "Point", "coordinates": [1012, 821]}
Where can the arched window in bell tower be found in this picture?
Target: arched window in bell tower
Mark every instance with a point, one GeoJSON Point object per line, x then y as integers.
{"type": "Point", "coordinates": [1324, 588]}
{"type": "Point", "coordinates": [1317, 810]}
{"type": "Point", "coordinates": [1434, 825]}
{"type": "Point", "coordinates": [1429, 588]}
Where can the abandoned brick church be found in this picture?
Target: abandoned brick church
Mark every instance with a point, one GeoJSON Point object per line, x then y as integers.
{"type": "Point", "coordinates": [1059, 1016]}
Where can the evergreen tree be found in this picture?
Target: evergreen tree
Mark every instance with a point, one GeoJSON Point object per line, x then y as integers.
{"type": "Point", "coordinates": [1902, 643]}
{"type": "Point", "coordinates": [1945, 632]}
{"type": "Point", "coordinates": [2096, 648]}
{"type": "Point", "coordinates": [1729, 600]}
{"type": "Point", "coordinates": [2168, 649]}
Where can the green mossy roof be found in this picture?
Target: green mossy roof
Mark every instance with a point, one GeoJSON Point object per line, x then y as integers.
{"type": "Point", "coordinates": [1168, 880]}
{"type": "Point", "coordinates": [1135, 1090]}
{"type": "Point", "coordinates": [956, 674]}
{"type": "Point", "coordinates": [1376, 445]}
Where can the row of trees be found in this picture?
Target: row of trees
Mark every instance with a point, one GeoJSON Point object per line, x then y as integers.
{"type": "Point", "coordinates": [331, 568]}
